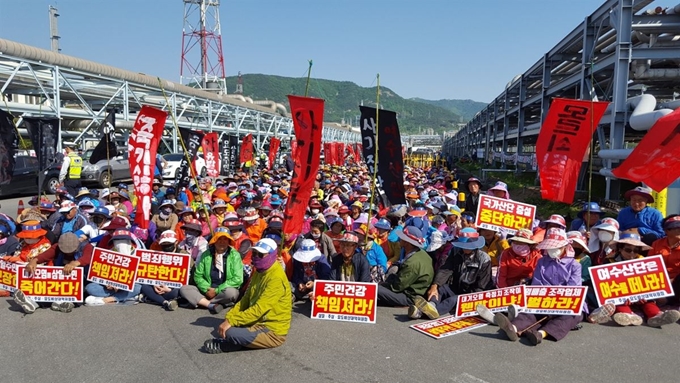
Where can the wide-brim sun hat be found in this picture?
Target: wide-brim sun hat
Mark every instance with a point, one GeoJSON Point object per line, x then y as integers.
{"type": "Point", "coordinates": [577, 237]}
{"type": "Point", "coordinates": [555, 219]}
{"type": "Point", "coordinates": [523, 236]}
{"type": "Point", "coordinates": [554, 239]}
{"type": "Point", "coordinates": [608, 224]}
{"type": "Point", "coordinates": [469, 239]}
{"type": "Point", "coordinates": [412, 235]}
{"type": "Point", "coordinates": [590, 207]}
{"type": "Point", "coordinates": [31, 229]}
{"type": "Point", "coordinates": [307, 252]}
{"type": "Point", "coordinates": [221, 232]}
{"type": "Point", "coordinates": [265, 246]}
{"type": "Point", "coordinates": [633, 239]}
{"type": "Point", "coordinates": [640, 191]}
{"type": "Point", "coordinates": [672, 223]}
{"type": "Point", "coordinates": [194, 224]}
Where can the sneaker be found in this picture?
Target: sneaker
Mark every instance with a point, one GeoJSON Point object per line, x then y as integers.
{"type": "Point", "coordinates": [170, 305]}
{"type": "Point", "coordinates": [64, 307]}
{"type": "Point", "coordinates": [218, 346]}
{"type": "Point", "coordinates": [140, 298]}
{"type": "Point", "coordinates": [534, 337]}
{"type": "Point", "coordinates": [94, 301]}
{"type": "Point", "coordinates": [513, 312]}
{"type": "Point", "coordinates": [625, 319]}
{"type": "Point", "coordinates": [485, 313]}
{"type": "Point", "coordinates": [504, 323]}
{"type": "Point", "coordinates": [414, 313]}
{"type": "Point", "coordinates": [602, 314]}
{"type": "Point", "coordinates": [427, 308]}
{"type": "Point", "coordinates": [216, 309]}
{"type": "Point", "coordinates": [664, 318]}
{"type": "Point", "coordinates": [27, 304]}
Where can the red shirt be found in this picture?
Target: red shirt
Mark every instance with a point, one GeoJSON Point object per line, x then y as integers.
{"type": "Point", "coordinates": [671, 257]}
{"type": "Point", "coordinates": [513, 268]}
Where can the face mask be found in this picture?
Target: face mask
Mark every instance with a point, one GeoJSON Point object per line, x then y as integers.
{"type": "Point", "coordinates": [190, 238]}
{"type": "Point", "coordinates": [605, 236]}
{"type": "Point", "coordinates": [315, 211]}
{"type": "Point", "coordinates": [264, 263]}
{"type": "Point", "coordinates": [168, 248]}
{"type": "Point", "coordinates": [521, 249]}
{"type": "Point", "coordinates": [554, 253]}
{"type": "Point", "coordinates": [122, 246]}
{"type": "Point", "coordinates": [166, 210]}
{"type": "Point", "coordinates": [31, 241]}
{"type": "Point", "coordinates": [316, 236]}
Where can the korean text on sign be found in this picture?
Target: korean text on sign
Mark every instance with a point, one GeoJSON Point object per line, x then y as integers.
{"type": "Point", "coordinates": [448, 325]}
{"type": "Point", "coordinates": [495, 300]}
{"type": "Point", "coordinates": [159, 268]}
{"type": "Point", "coordinates": [345, 301]}
{"type": "Point", "coordinates": [555, 300]}
{"type": "Point", "coordinates": [644, 278]}
{"type": "Point", "coordinates": [8, 276]}
{"type": "Point", "coordinates": [49, 284]}
{"type": "Point", "coordinates": [113, 269]}
{"type": "Point", "coordinates": [496, 213]}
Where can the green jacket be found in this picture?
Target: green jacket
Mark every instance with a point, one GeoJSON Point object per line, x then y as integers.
{"type": "Point", "coordinates": [414, 276]}
{"type": "Point", "coordinates": [233, 268]}
{"type": "Point", "coordinates": [267, 302]}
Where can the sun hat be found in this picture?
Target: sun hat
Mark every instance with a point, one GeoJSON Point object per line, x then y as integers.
{"type": "Point", "coordinates": [102, 211]}
{"type": "Point", "coordinates": [275, 222]}
{"type": "Point", "coordinates": [194, 224]}
{"type": "Point", "coordinates": [334, 221]}
{"type": "Point", "coordinates": [577, 237]}
{"type": "Point", "coordinates": [608, 224]}
{"type": "Point", "coordinates": [358, 204]}
{"type": "Point", "coordinates": [524, 236]}
{"type": "Point", "coordinates": [383, 224]}
{"type": "Point", "coordinates": [47, 206]}
{"type": "Point", "coordinates": [672, 223]}
{"type": "Point", "coordinates": [85, 204]}
{"type": "Point", "coordinates": [554, 239]}
{"type": "Point", "coordinates": [124, 194]}
{"type": "Point", "coordinates": [265, 246]}
{"type": "Point", "coordinates": [349, 237]}
{"type": "Point", "coordinates": [307, 252]}
{"type": "Point", "coordinates": [266, 205]}
{"type": "Point", "coordinates": [168, 236]}
{"type": "Point", "coordinates": [437, 240]}
{"type": "Point", "coordinates": [555, 219]}
{"type": "Point", "coordinates": [116, 223]}
{"type": "Point", "coordinates": [167, 202]}
{"type": "Point", "coordinates": [121, 234]}
{"type": "Point", "coordinates": [250, 214]}
{"type": "Point", "coordinates": [412, 235]}
{"type": "Point", "coordinates": [633, 239]}
{"type": "Point", "coordinates": [592, 207]}
{"type": "Point", "coordinates": [233, 223]}
{"type": "Point", "coordinates": [68, 243]}
{"type": "Point", "coordinates": [221, 232]}
{"type": "Point", "coordinates": [642, 192]}
{"type": "Point", "coordinates": [31, 229]}
{"type": "Point", "coordinates": [67, 206]}
{"type": "Point", "coordinates": [473, 179]}
{"type": "Point", "coordinates": [469, 239]}
{"type": "Point", "coordinates": [83, 191]}
{"type": "Point", "coordinates": [186, 210]}
{"type": "Point", "coordinates": [418, 212]}
{"type": "Point", "coordinates": [502, 186]}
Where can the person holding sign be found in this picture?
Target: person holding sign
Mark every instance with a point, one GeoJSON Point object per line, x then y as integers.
{"type": "Point", "coordinates": [350, 265]}
{"type": "Point", "coordinates": [670, 251]}
{"type": "Point", "coordinates": [557, 268]}
{"type": "Point", "coordinates": [261, 319]}
{"type": "Point", "coordinates": [309, 264]}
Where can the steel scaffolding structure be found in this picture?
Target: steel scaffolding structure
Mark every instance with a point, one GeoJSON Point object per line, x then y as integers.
{"type": "Point", "coordinates": [616, 53]}
{"type": "Point", "coordinates": [80, 93]}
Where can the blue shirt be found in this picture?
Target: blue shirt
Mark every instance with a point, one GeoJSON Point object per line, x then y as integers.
{"type": "Point", "coordinates": [647, 221]}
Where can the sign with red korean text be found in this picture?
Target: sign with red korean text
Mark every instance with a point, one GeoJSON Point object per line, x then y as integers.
{"type": "Point", "coordinates": [142, 147]}
{"type": "Point", "coordinates": [159, 268]}
{"type": "Point", "coordinates": [555, 300]}
{"type": "Point", "coordinates": [345, 301]}
{"type": "Point", "coordinates": [495, 300]}
{"type": "Point", "coordinates": [49, 284]}
{"type": "Point", "coordinates": [448, 325]}
{"type": "Point", "coordinates": [113, 269]}
{"type": "Point", "coordinates": [211, 153]}
{"type": "Point", "coordinates": [495, 213]}
{"type": "Point", "coordinates": [8, 276]}
{"type": "Point", "coordinates": [274, 145]}
{"type": "Point", "coordinates": [643, 278]}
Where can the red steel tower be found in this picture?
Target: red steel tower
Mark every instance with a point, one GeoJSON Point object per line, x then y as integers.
{"type": "Point", "coordinates": [202, 60]}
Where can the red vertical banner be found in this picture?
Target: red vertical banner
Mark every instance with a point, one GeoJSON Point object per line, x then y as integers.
{"type": "Point", "coordinates": [142, 147]}
{"type": "Point", "coordinates": [211, 149]}
{"type": "Point", "coordinates": [656, 159]}
{"type": "Point", "coordinates": [247, 149]}
{"type": "Point", "coordinates": [340, 153]}
{"type": "Point", "coordinates": [293, 147]}
{"type": "Point", "coordinates": [350, 152]}
{"type": "Point", "coordinates": [562, 142]}
{"type": "Point", "coordinates": [307, 114]}
{"type": "Point", "coordinates": [327, 155]}
{"type": "Point", "coordinates": [274, 145]}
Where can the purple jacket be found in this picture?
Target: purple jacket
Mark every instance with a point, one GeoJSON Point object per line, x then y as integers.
{"type": "Point", "coordinates": [557, 272]}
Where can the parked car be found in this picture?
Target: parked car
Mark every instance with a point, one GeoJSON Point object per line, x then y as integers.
{"type": "Point", "coordinates": [174, 160]}
{"type": "Point", "coordinates": [25, 180]}
{"type": "Point", "coordinates": [107, 172]}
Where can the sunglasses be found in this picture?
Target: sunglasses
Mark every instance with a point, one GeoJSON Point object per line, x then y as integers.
{"type": "Point", "coordinates": [628, 249]}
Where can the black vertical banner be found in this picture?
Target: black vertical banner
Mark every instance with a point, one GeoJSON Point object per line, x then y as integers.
{"type": "Point", "coordinates": [390, 162]}
{"type": "Point", "coordinates": [9, 144]}
{"type": "Point", "coordinates": [43, 133]}
{"type": "Point", "coordinates": [192, 141]}
{"type": "Point", "coordinates": [234, 153]}
{"type": "Point", "coordinates": [106, 148]}
{"type": "Point", "coordinates": [225, 163]}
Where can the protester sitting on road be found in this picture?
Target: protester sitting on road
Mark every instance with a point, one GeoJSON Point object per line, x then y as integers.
{"type": "Point", "coordinates": [162, 294]}
{"type": "Point", "coordinates": [494, 246]}
{"type": "Point", "coordinates": [336, 232]}
{"type": "Point", "coordinates": [414, 271]}
{"type": "Point", "coordinates": [377, 260]}
{"type": "Point", "coordinates": [165, 219]}
{"type": "Point", "coordinates": [557, 268]}
{"type": "Point", "coordinates": [261, 319]}
{"type": "Point", "coordinates": [309, 264]}
{"type": "Point", "coordinates": [33, 242]}
{"type": "Point", "coordinates": [70, 221]}
{"type": "Point", "coordinates": [602, 240]}
{"type": "Point", "coordinates": [555, 221]}
{"type": "Point", "coordinates": [467, 270]}
{"type": "Point", "coordinates": [9, 243]}
{"type": "Point", "coordinates": [242, 242]}
{"type": "Point", "coordinates": [588, 217]}
{"type": "Point", "coordinates": [670, 251]}
{"type": "Point", "coordinates": [350, 265]}
{"type": "Point", "coordinates": [581, 254]}
{"type": "Point", "coordinates": [645, 219]}
{"type": "Point", "coordinates": [193, 243]}
{"type": "Point", "coordinates": [322, 241]}
{"type": "Point", "coordinates": [519, 261]}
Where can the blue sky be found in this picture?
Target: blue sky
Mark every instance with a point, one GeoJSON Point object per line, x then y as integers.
{"type": "Point", "coordinates": [426, 48]}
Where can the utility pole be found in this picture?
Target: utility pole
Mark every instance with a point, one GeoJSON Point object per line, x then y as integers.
{"type": "Point", "coordinates": [54, 30]}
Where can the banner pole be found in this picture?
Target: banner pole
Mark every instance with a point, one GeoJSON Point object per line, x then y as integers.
{"type": "Point", "coordinates": [309, 75]}
{"type": "Point", "coordinates": [592, 145]}
{"type": "Point", "coordinates": [375, 166]}
{"type": "Point", "coordinates": [186, 155]}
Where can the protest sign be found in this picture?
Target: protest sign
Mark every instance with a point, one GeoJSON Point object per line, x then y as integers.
{"type": "Point", "coordinates": [8, 276]}
{"type": "Point", "coordinates": [49, 284]}
{"type": "Point", "coordinates": [495, 213]}
{"type": "Point", "coordinates": [345, 301]}
{"type": "Point", "coordinates": [643, 278]}
{"type": "Point", "coordinates": [159, 268]}
{"type": "Point", "coordinates": [555, 300]}
{"type": "Point", "coordinates": [495, 300]}
{"type": "Point", "coordinates": [448, 325]}
{"type": "Point", "coordinates": [113, 269]}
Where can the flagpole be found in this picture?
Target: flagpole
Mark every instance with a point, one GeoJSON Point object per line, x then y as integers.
{"type": "Point", "coordinates": [309, 76]}
{"type": "Point", "coordinates": [186, 155]}
{"type": "Point", "coordinates": [375, 162]}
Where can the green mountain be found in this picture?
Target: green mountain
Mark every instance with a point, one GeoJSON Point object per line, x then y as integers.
{"type": "Point", "coordinates": [465, 108]}
{"type": "Point", "coordinates": [343, 99]}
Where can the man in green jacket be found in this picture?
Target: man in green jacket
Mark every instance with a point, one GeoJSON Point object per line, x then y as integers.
{"type": "Point", "coordinates": [415, 271]}
{"type": "Point", "coordinates": [261, 318]}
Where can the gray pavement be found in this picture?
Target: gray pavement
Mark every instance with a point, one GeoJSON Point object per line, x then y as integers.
{"type": "Point", "coordinates": [144, 343]}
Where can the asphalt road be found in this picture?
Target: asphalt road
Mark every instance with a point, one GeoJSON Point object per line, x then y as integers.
{"type": "Point", "coordinates": [145, 343]}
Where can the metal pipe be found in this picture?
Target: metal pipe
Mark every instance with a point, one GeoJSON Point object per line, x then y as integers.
{"type": "Point", "coordinates": [614, 154]}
